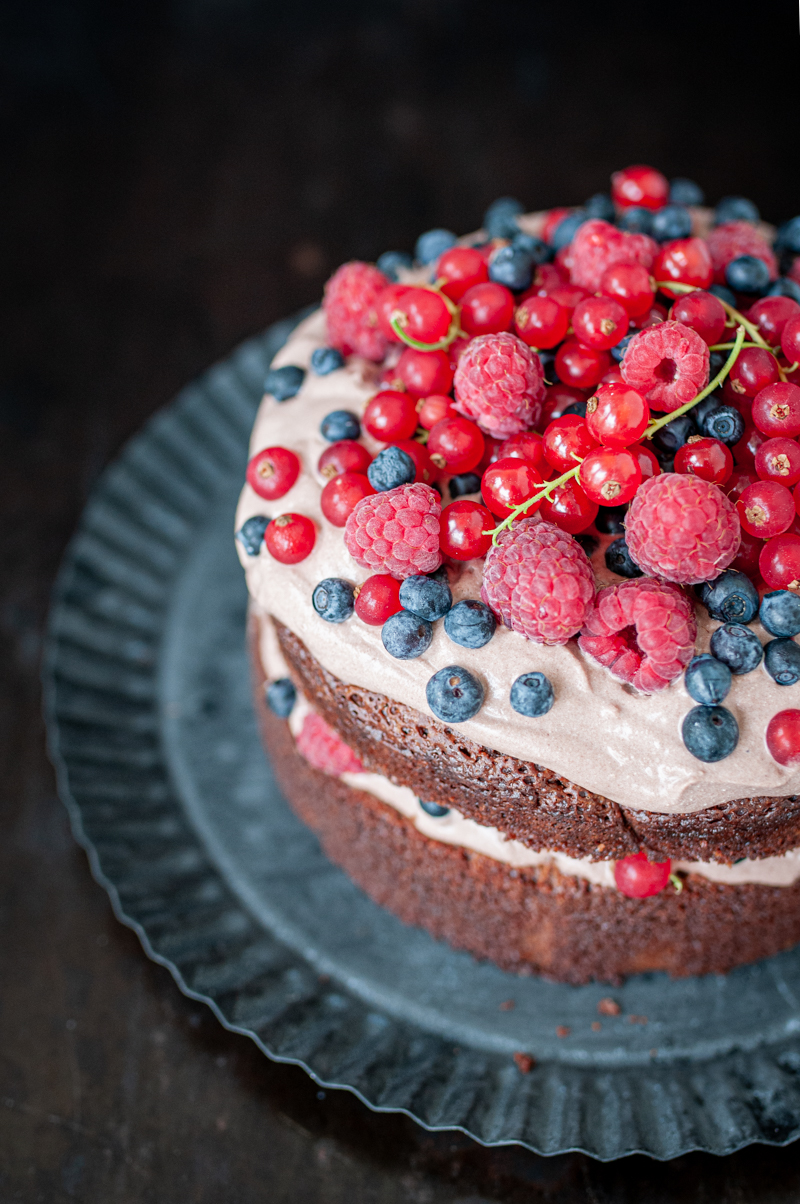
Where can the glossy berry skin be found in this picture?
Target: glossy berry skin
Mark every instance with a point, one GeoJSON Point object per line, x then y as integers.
{"type": "Point", "coordinates": [710, 733]}
{"type": "Point", "coordinates": [766, 509]}
{"type": "Point", "coordinates": [790, 340]}
{"type": "Point", "coordinates": [250, 535]}
{"type": "Point", "coordinates": [290, 538]}
{"type": "Point", "coordinates": [638, 878]}
{"type": "Point", "coordinates": [272, 472]}
{"type": "Point", "coordinates": [424, 315]}
{"type": "Point", "coordinates": [600, 322]}
{"type": "Point", "coordinates": [386, 305]}
{"type": "Point", "coordinates": [639, 185]}
{"type": "Point", "coordinates": [390, 415]}
{"type": "Point", "coordinates": [744, 452]}
{"type": "Point", "coordinates": [280, 696]}
{"type": "Point", "coordinates": [703, 313]}
{"type": "Point", "coordinates": [581, 366]}
{"type": "Point", "coordinates": [636, 220]}
{"type": "Point", "coordinates": [424, 468]}
{"type": "Point", "coordinates": [424, 372]}
{"type": "Point", "coordinates": [486, 309]}
{"type": "Point", "coordinates": [738, 647]}
{"type": "Point", "coordinates": [705, 458]}
{"type": "Point", "coordinates": [284, 383]}
{"type": "Point", "coordinates": [707, 680]}
{"type": "Point", "coordinates": [470, 623]}
{"type": "Point", "coordinates": [747, 274]}
{"type": "Point", "coordinates": [333, 599]}
{"type": "Point", "coordinates": [753, 371]}
{"type": "Point", "coordinates": [325, 360]}
{"type": "Point", "coordinates": [462, 527]}
{"type": "Point", "coordinates": [780, 613]}
{"type": "Point", "coordinates": [344, 456]}
{"type": "Point", "coordinates": [432, 244]}
{"type": "Point", "coordinates": [671, 222]}
{"type": "Point", "coordinates": [567, 440]}
{"type": "Point", "coordinates": [509, 482]}
{"type": "Point", "coordinates": [610, 476]}
{"type": "Point", "coordinates": [684, 261]}
{"type": "Point", "coordinates": [454, 694]}
{"type": "Point", "coordinates": [532, 695]}
{"type": "Point", "coordinates": [771, 314]}
{"type": "Point", "coordinates": [433, 409]}
{"type": "Point", "coordinates": [338, 425]}
{"type": "Point", "coordinates": [631, 285]}
{"type": "Point", "coordinates": [729, 598]}
{"type": "Point", "coordinates": [779, 460]}
{"type": "Point", "coordinates": [648, 462]}
{"type": "Point", "coordinates": [463, 483]}
{"type": "Point", "coordinates": [406, 636]}
{"type": "Point", "coordinates": [724, 423]}
{"type": "Point", "coordinates": [455, 444]}
{"type": "Point", "coordinates": [558, 399]}
{"type": "Point", "coordinates": [511, 266]}
{"type": "Point", "coordinates": [527, 445]}
{"type": "Point", "coordinates": [618, 560]}
{"type": "Point", "coordinates": [341, 495]}
{"type": "Point", "coordinates": [617, 415]}
{"type": "Point", "coordinates": [436, 810]}
{"type": "Point", "coordinates": [541, 322]}
{"type": "Point", "coordinates": [779, 562]}
{"type": "Point", "coordinates": [783, 737]}
{"type": "Point", "coordinates": [460, 268]}
{"type": "Point", "coordinates": [428, 597]}
{"type": "Point", "coordinates": [746, 559]}
{"type": "Point", "coordinates": [776, 410]}
{"type": "Point", "coordinates": [391, 468]}
{"type": "Point", "coordinates": [390, 263]}
{"type": "Point", "coordinates": [565, 294]}
{"type": "Point", "coordinates": [377, 599]}
{"type": "Point", "coordinates": [569, 508]}
{"type": "Point", "coordinates": [782, 661]}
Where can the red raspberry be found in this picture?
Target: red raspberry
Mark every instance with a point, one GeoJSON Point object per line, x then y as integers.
{"type": "Point", "coordinates": [499, 383]}
{"type": "Point", "coordinates": [667, 363]}
{"type": "Point", "coordinates": [643, 631]}
{"type": "Point", "coordinates": [732, 239]}
{"type": "Point", "coordinates": [323, 749]}
{"type": "Point", "coordinates": [349, 305]}
{"type": "Point", "coordinates": [396, 531]}
{"type": "Point", "coordinates": [598, 245]}
{"type": "Point", "coordinates": [539, 582]}
{"type": "Point", "coordinates": [682, 528]}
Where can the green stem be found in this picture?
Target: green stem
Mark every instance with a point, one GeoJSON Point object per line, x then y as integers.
{"type": "Point", "coordinates": [728, 346]}
{"type": "Point", "coordinates": [739, 318]}
{"type": "Point", "coordinates": [442, 345]}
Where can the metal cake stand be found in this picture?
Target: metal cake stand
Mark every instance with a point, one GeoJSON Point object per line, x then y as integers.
{"type": "Point", "coordinates": [161, 769]}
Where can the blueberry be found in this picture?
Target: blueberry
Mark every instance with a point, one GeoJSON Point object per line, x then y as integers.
{"type": "Point", "coordinates": [533, 246]}
{"type": "Point", "coordinates": [454, 694]}
{"type": "Point", "coordinates": [785, 287]}
{"type": "Point", "coordinates": [251, 533]}
{"type": "Point", "coordinates": [532, 695]}
{"type": "Point", "coordinates": [566, 229]}
{"type": "Point", "coordinates": [500, 219]}
{"type": "Point", "coordinates": [464, 482]}
{"type": "Point", "coordinates": [511, 267]}
{"type": "Point", "coordinates": [788, 238]}
{"type": "Point", "coordinates": [577, 407]}
{"type": "Point", "coordinates": [283, 383]}
{"type": "Point", "coordinates": [685, 192]}
{"type": "Point", "coordinates": [724, 294]}
{"type": "Point", "coordinates": [432, 244]}
{"type": "Point", "coordinates": [707, 679]}
{"type": "Point", "coordinates": [673, 221]}
{"type": "Point", "coordinates": [589, 543]}
{"type": "Point", "coordinates": [600, 206]}
{"type": "Point", "coordinates": [618, 560]}
{"type": "Point", "coordinates": [340, 424]}
{"type": "Point", "coordinates": [747, 274]}
{"type": "Point", "coordinates": [334, 599]}
{"type": "Point", "coordinates": [780, 613]}
{"type": "Point", "coordinates": [724, 423]}
{"type": "Point", "coordinates": [710, 733]}
{"type": "Point", "coordinates": [730, 598]}
{"type": "Point", "coordinates": [717, 359]}
{"type": "Point", "coordinates": [433, 809]}
{"type": "Point", "coordinates": [325, 360]}
{"type": "Point", "coordinates": [735, 209]}
{"type": "Point", "coordinates": [406, 636]}
{"type": "Point", "coordinates": [782, 661]}
{"type": "Point", "coordinates": [391, 261]}
{"type": "Point", "coordinates": [706, 407]}
{"type": "Point", "coordinates": [637, 220]}
{"type": "Point", "coordinates": [390, 468]}
{"type": "Point", "coordinates": [670, 438]}
{"type": "Point", "coordinates": [611, 520]}
{"type": "Point", "coordinates": [280, 697]}
{"type": "Point", "coordinates": [470, 623]}
{"type": "Point", "coordinates": [738, 647]}
{"type": "Point", "coordinates": [427, 597]}
{"type": "Point", "coordinates": [618, 352]}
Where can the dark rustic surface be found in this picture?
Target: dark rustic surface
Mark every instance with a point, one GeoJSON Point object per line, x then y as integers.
{"type": "Point", "coordinates": [177, 176]}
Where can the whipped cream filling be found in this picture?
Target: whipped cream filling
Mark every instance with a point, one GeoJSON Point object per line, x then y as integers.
{"type": "Point", "coordinates": [600, 733]}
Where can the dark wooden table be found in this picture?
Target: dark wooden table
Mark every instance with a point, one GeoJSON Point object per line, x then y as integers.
{"type": "Point", "coordinates": [177, 176]}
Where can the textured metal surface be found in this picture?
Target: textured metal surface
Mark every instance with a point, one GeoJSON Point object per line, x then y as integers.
{"type": "Point", "coordinates": [162, 771]}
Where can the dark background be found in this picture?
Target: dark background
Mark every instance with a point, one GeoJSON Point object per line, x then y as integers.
{"type": "Point", "coordinates": [175, 176]}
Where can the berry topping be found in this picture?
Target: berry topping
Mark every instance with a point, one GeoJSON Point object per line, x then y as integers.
{"type": "Point", "coordinates": [735, 208]}
{"type": "Point", "coordinates": [391, 468]}
{"type": "Point", "coordinates": [527, 445]}
{"type": "Point", "coordinates": [610, 476]}
{"type": "Point", "coordinates": [738, 647]}
{"type": "Point", "coordinates": [500, 219]}
{"type": "Point", "coordinates": [464, 526]}
{"type": "Point", "coordinates": [486, 309]}
{"type": "Point", "coordinates": [339, 425]}
{"type": "Point", "coordinates": [771, 314]}
{"type": "Point", "coordinates": [782, 661]}
{"type": "Point", "coordinates": [684, 261]}
{"type": "Point", "coordinates": [566, 441]}
{"type": "Point", "coordinates": [723, 423]}
{"type": "Point", "coordinates": [333, 600]}
{"type": "Point", "coordinates": [324, 750]}
{"type": "Point", "coordinates": [710, 733]}
{"type": "Point", "coordinates": [532, 695]}
{"type": "Point", "coordinates": [780, 613]}
{"type": "Point", "coordinates": [339, 497]}
{"type": "Point", "coordinates": [776, 410]}
{"type": "Point", "coordinates": [643, 631]}
{"type": "Point", "coordinates": [433, 409]}
{"type": "Point", "coordinates": [463, 483]}
{"type": "Point", "coordinates": [702, 312]}
{"type": "Point", "coordinates": [617, 415]}
{"type": "Point", "coordinates": [428, 597]}
{"type": "Point", "coordinates": [272, 472]}
{"type": "Point", "coordinates": [433, 243]}
{"type": "Point", "coordinates": [396, 532]}
{"type": "Point", "coordinates": [434, 809]}
{"type": "Point", "coordinates": [685, 192]}
{"type": "Point", "coordinates": [422, 314]}
{"type": "Point", "coordinates": [406, 636]}
{"type": "Point", "coordinates": [766, 509]}
{"type": "Point", "coordinates": [600, 322]}
{"type": "Point", "coordinates": [344, 456]}
{"type": "Point", "coordinates": [754, 370]}
{"type": "Point", "coordinates": [598, 245]}
{"type": "Point", "coordinates": [507, 483]}
{"type": "Point", "coordinates": [349, 306]}
{"type": "Point", "coordinates": [459, 268]}
{"type": "Point", "coordinates": [541, 322]}
{"type": "Point", "coordinates": [539, 582]}
{"type": "Point", "coordinates": [569, 508]}
{"type": "Point", "coordinates": [733, 239]}
{"type": "Point", "coordinates": [391, 263]}
{"type": "Point", "coordinates": [747, 274]}
{"type": "Point", "coordinates": [631, 285]}
{"type": "Point", "coordinates": [638, 878]}
{"type": "Point", "coordinates": [454, 694]}
{"type": "Point", "coordinates": [668, 364]}
{"type": "Point", "coordinates": [618, 560]}
{"type": "Point", "coordinates": [639, 185]}
{"type": "Point", "coordinates": [500, 384]}
{"type": "Point", "coordinates": [707, 680]}
{"type": "Point", "coordinates": [682, 528]}
{"type": "Point", "coordinates": [731, 598]}
{"type": "Point", "coordinates": [280, 696]}
{"type": "Point", "coordinates": [581, 366]}
{"type": "Point", "coordinates": [470, 623]}
{"type": "Point", "coordinates": [779, 562]}
{"type": "Point", "coordinates": [790, 340]}
{"type": "Point", "coordinates": [325, 360]}
{"type": "Point", "coordinates": [290, 538]}
{"type": "Point", "coordinates": [378, 599]}
{"type": "Point", "coordinates": [285, 382]}
{"type": "Point", "coordinates": [783, 737]}
{"type": "Point", "coordinates": [251, 533]}
{"type": "Point", "coordinates": [424, 372]}
{"type": "Point", "coordinates": [705, 458]}
{"type": "Point", "coordinates": [390, 415]}
{"type": "Point", "coordinates": [456, 444]}
{"type": "Point", "coordinates": [671, 222]}
{"type": "Point", "coordinates": [511, 266]}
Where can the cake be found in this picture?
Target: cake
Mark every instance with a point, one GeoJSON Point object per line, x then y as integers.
{"type": "Point", "coordinates": [523, 559]}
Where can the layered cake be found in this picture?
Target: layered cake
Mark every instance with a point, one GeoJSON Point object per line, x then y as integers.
{"type": "Point", "coordinates": [522, 548]}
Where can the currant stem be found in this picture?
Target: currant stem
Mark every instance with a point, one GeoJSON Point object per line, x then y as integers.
{"type": "Point", "coordinates": [739, 318]}
{"type": "Point", "coordinates": [442, 345]}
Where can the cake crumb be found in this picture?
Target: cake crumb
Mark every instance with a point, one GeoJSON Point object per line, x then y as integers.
{"type": "Point", "coordinates": [632, 1019]}
{"type": "Point", "coordinates": [608, 1007]}
{"type": "Point", "coordinates": [524, 1062]}
{"type": "Point", "coordinates": [507, 1005]}
{"type": "Point", "coordinates": [563, 1030]}
{"type": "Point", "coordinates": [596, 1026]}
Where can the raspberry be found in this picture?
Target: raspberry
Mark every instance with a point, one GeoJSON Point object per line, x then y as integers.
{"type": "Point", "coordinates": [598, 245]}
{"type": "Point", "coordinates": [349, 305]}
{"type": "Point", "coordinates": [499, 383]}
{"type": "Point", "coordinates": [538, 581]}
{"type": "Point", "coordinates": [732, 239]}
{"type": "Point", "coordinates": [682, 528]}
{"type": "Point", "coordinates": [397, 531]}
{"type": "Point", "coordinates": [323, 749]}
{"type": "Point", "coordinates": [668, 363]}
{"type": "Point", "coordinates": [643, 631]}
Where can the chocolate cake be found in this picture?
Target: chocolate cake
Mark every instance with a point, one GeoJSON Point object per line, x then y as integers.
{"type": "Point", "coordinates": [524, 583]}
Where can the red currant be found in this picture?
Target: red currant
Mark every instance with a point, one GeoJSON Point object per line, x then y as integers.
{"type": "Point", "coordinates": [541, 322]}
{"type": "Point", "coordinates": [460, 268]}
{"type": "Point", "coordinates": [631, 285]}
{"type": "Point", "coordinates": [378, 599]}
{"type": "Point", "coordinates": [783, 737]}
{"type": "Point", "coordinates": [639, 185]}
{"type": "Point", "coordinates": [527, 445]}
{"type": "Point", "coordinates": [639, 878]}
{"type": "Point", "coordinates": [790, 340]}
{"type": "Point", "coordinates": [771, 314]}
{"type": "Point", "coordinates": [290, 538]}
{"type": "Point", "coordinates": [617, 415]}
{"type": "Point", "coordinates": [344, 456]}
{"type": "Point", "coordinates": [655, 314]}
{"type": "Point", "coordinates": [581, 366]}
{"type": "Point", "coordinates": [738, 481]}
{"type": "Point", "coordinates": [569, 508]}
{"type": "Point", "coordinates": [744, 452]}
{"type": "Point", "coordinates": [779, 562]}
{"type": "Point", "coordinates": [431, 410]}
{"type": "Point", "coordinates": [424, 315]}
{"type": "Point", "coordinates": [703, 313]}
{"type": "Point", "coordinates": [754, 370]}
{"type": "Point", "coordinates": [612, 377]}
{"type": "Point", "coordinates": [746, 559]}
{"type": "Point", "coordinates": [424, 372]}
{"type": "Point", "coordinates": [565, 294]}
{"type": "Point", "coordinates": [426, 470]}
{"type": "Point", "coordinates": [339, 497]}
{"type": "Point", "coordinates": [390, 415]}
{"type": "Point", "coordinates": [648, 462]}
{"type": "Point", "coordinates": [766, 509]}
{"type": "Point", "coordinates": [610, 476]}
{"type": "Point", "coordinates": [455, 444]}
{"type": "Point", "coordinates": [272, 472]}
{"type": "Point", "coordinates": [776, 410]}
{"type": "Point", "coordinates": [462, 527]}
{"type": "Point", "coordinates": [600, 322]}
{"type": "Point", "coordinates": [486, 309]}
{"type": "Point", "coordinates": [685, 261]}
{"type": "Point", "coordinates": [566, 441]}
{"type": "Point", "coordinates": [779, 460]}
{"type": "Point", "coordinates": [705, 458]}
{"type": "Point", "coordinates": [508, 483]}
{"type": "Point", "coordinates": [386, 303]}
{"type": "Point", "coordinates": [491, 452]}
{"type": "Point", "coordinates": [558, 398]}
